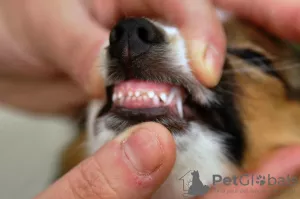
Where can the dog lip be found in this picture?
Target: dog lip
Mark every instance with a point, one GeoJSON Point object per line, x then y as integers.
{"type": "Point", "coordinates": [142, 113]}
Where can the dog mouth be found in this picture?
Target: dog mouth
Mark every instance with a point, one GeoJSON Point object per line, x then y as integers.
{"type": "Point", "coordinates": [137, 100]}
{"type": "Point", "coordinates": [148, 99]}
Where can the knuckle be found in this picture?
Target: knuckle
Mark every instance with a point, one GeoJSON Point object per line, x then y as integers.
{"type": "Point", "coordinates": [90, 182]}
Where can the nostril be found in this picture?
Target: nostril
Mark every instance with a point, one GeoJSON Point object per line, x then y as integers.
{"type": "Point", "coordinates": [133, 37]}
{"type": "Point", "coordinates": [145, 35]}
{"type": "Point", "coordinates": [116, 34]}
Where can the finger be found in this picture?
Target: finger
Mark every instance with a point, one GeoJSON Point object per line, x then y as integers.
{"type": "Point", "coordinates": [283, 163]}
{"type": "Point", "coordinates": [277, 16]}
{"type": "Point", "coordinates": [196, 19]}
{"type": "Point", "coordinates": [132, 166]}
{"type": "Point", "coordinates": [59, 96]}
{"type": "Point", "coordinates": [64, 35]}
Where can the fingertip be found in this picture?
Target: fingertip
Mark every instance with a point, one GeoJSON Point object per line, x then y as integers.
{"type": "Point", "coordinates": [206, 62]}
{"type": "Point", "coordinates": [206, 42]}
{"type": "Point", "coordinates": [163, 134]}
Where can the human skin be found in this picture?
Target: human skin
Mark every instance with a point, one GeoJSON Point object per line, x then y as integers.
{"type": "Point", "coordinates": [282, 18]}
{"type": "Point", "coordinates": [48, 49]}
{"type": "Point", "coordinates": [136, 176]}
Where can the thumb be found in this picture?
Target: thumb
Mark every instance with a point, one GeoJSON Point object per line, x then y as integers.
{"type": "Point", "coordinates": [132, 166]}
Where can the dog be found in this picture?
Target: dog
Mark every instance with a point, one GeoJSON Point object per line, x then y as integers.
{"type": "Point", "coordinates": [253, 111]}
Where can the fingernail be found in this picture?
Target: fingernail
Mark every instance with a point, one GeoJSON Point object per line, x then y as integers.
{"type": "Point", "coordinates": [213, 69]}
{"type": "Point", "coordinates": [143, 151]}
{"type": "Point", "coordinates": [203, 60]}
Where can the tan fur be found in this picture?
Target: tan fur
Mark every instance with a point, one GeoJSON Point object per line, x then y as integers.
{"type": "Point", "coordinates": [271, 119]}
{"type": "Point", "coordinates": [74, 153]}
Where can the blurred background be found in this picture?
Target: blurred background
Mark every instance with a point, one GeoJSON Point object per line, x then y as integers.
{"type": "Point", "coordinates": [30, 148]}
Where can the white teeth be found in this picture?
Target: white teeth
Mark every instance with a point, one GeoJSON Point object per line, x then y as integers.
{"type": "Point", "coordinates": [137, 93]}
{"type": "Point", "coordinates": [156, 100]}
{"type": "Point", "coordinates": [179, 107]}
{"type": "Point", "coordinates": [151, 94]}
{"type": "Point", "coordinates": [163, 97]}
{"type": "Point", "coordinates": [171, 96]}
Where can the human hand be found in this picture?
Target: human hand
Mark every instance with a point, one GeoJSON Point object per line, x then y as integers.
{"type": "Point", "coordinates": [279, 17]}
{"type": "Point", "coordinates": [121, 170]}
{"type": "Point", "coordinates": [48, 49]}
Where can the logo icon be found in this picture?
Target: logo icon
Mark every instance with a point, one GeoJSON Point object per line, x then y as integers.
{"type": "Point", "coordinates": [261, 180]}
{"type": "Point", "coordinates": [192, 185]}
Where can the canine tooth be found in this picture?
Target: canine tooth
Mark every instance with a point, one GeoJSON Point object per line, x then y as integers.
{"type": "Point", "coordinates": [151, 94]}
{"type": "Point", "coordinates": [163, 97]}
{"type": "Point", "coordinates": [179, 107]}
{"type": "Point", "coordinates": [156, 100]}
{"type": "Point", "coordinates": [171, 96]}
{"type": "Point", "coordinates": [137, 93]}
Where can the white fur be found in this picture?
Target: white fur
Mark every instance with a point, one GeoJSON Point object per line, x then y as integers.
{"type": "Point", "coordinates": [204, 152]}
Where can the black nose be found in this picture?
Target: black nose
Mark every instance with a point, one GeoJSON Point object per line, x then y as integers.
{"type": "Point", "coordinates": [133, 37]}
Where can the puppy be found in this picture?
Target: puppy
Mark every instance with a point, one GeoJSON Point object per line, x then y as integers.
{"type": "Point", "coordinates": [251, 112]}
